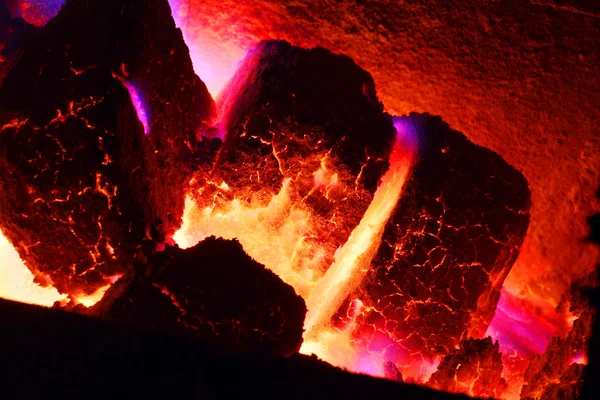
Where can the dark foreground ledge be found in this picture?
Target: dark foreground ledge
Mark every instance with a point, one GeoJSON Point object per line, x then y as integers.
{"type": "Point", "coordinates": [50, 353]}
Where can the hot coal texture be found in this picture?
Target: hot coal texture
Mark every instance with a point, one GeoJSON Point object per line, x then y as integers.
{"type": "Point", "coordinates": [474, 368]}
{"type": "Point", "coordinates": [557, 374]}
{"type": "Point", "coordinates": [309, 116]}
{"type": "Point", "coordinates": [213, 292]}
{"type": "Point", "coordinates": [450, 243]}
{"type": "Point", "coordinates": [82, 184]}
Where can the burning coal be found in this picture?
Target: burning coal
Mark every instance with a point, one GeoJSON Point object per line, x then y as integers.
{"type": "Point", "coordinates": [379, 243]}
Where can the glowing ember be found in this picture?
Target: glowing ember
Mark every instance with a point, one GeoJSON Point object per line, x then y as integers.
{"type": "Point", "coordinates": [353, 258]}
{"type": "Point", "coordinates": [281, 233]}
{"type": "Point", "coordinates": [17, 282]}
{"type": "Point", "coordinates": [524, 322]}
{"type": "Point", "coordinates": [274, 235]}
{"type": "Point", "coordinates": [91, 299]}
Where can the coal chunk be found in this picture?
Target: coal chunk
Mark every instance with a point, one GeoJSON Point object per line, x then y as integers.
{"type": "Point", "coordinates": [558, 372]}
{"type": "Point", "coordinates": [447, 248]}
{"type": "Point", "coordinates": [97, 120]}
{"type": "Point", "coordinates": [475, 368]}
{"type": "Point", "coordinates": [308, 123]}
{"type": "Point", "coordinates": [214, 292]}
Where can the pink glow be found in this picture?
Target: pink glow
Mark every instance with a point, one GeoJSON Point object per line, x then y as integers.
{"type": "Point", "coordinates": [524, 325]}
{"type": "Point", "coordinates": [137, 100]}
{"type": "Point", "coordinates": [579, 358]}
{"type": "Point", "coordinates": [215, 58]}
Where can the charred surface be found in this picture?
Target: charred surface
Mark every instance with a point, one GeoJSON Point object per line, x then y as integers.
{"type": "Point", "coordinates": [214, 292]}
{"type": "Point", "coordinates": [309, 117]}
{"type": "Point", "coordinates": [85, 177]}
{"type": "Point", "coordinates": [447, 248]}
{"type": "Point", "coordinates": [474, 368]}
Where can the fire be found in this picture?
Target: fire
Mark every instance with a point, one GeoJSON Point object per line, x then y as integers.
{"type": "Point", "coordinates": [89, 300]}
{"type": "Point", "coordinates": [276, 235]}
{"type": "Point", "coordinates": [36, 12]}
{"type": "Point", "coordinates": [353, 258]}
{"type": "Point", "coordinates": [17, 282]}
{"type": "Point", "coordinates": [281, 235]}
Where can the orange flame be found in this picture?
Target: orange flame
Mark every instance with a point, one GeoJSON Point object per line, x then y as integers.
{"type": "Point", "coordinates": [275, 235]}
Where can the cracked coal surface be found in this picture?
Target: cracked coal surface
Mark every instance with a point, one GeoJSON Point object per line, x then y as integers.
{"type": "Point", "coordinates": [213, 292]}
{"type": "Point", "coordinates": [557, 373]}
{"type": "Point", "coordinates": [516, 77]}
{"type": "Point", "coordinates": [82, 183]}
{"type": "Point", "coordinates": [450, 243]}
{"type": "Point", "coordinates": [474, 368]}
{"type": "Point", "coordinates": [310, 117]}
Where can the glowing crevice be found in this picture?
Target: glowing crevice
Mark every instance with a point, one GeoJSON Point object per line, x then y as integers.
{"type": "Point", "coordinates": [274, 234]}
{"type": "Point", "coordinates": [353, 259]}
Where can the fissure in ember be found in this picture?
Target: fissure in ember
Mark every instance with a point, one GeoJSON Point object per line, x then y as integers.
{"type": "Point", "coordinates": [293, 215]}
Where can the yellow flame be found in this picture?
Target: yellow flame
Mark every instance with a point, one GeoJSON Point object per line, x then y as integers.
{"type": "Point", "coordinates": [16, 281]}
{"type": "Point", "coordinates": [274, 235]}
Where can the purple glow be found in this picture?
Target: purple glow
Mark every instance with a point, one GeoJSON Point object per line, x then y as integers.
{"type": "Point", "coordinates": [35, 12]}
{"type": "Point", "coordinates": [578, 358]}
{"type": "Point", "coordinates": [523, 326]}
{"type": "Point", "coordinates": [138, 104]}
{"type": "Point", "coordinates": [215, 59]}
{"type": "Point", "coordinates": [406, 134]}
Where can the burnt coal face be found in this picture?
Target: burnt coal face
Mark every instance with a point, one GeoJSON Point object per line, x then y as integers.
{"type": "Point", "coordinates": [309, 118]}
{"type": "Point", "coordinates": [474, 368]}
{"type": "Point", "coordinates": [213, 292]}
{"type": "Point", "coordinates": [280, 86]}
{"type": "Point", "coordinates": [87, 177]}
{"type": "Point", "coordinates": [447, 248]}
